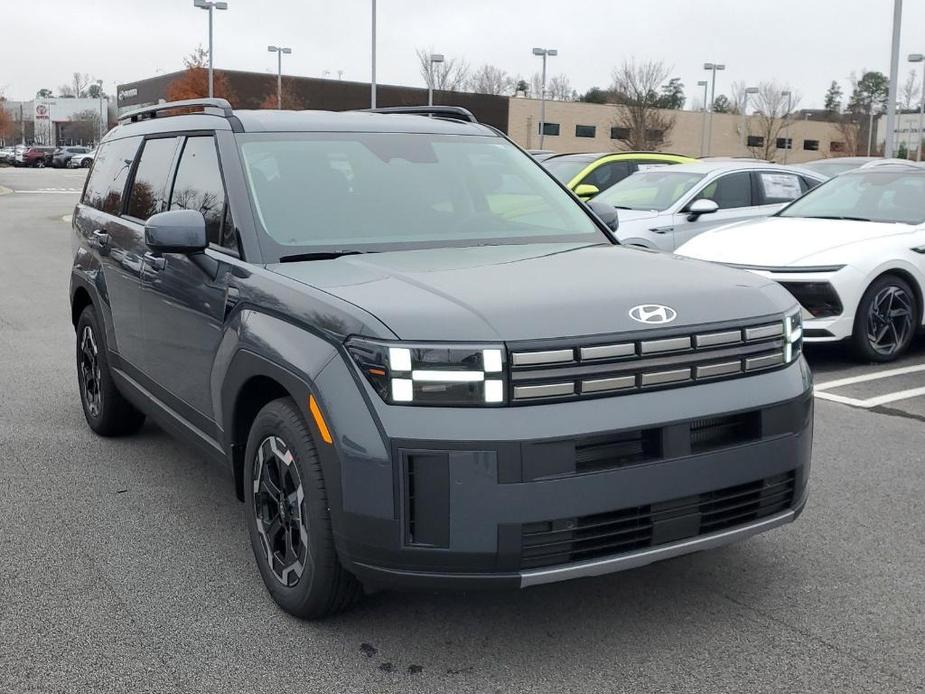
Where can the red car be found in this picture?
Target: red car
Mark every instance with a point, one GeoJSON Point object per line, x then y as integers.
{"type": "Point", "coordinates": [37, 155]}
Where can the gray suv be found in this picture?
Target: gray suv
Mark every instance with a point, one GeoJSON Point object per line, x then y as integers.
{"type": "Point", "coordinates": [424, 362]}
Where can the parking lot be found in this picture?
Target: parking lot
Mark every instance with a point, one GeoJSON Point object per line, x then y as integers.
{"type": "Point", "coordinates": [125, 565]}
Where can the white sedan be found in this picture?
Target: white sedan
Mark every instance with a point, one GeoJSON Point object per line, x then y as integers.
{"type": "Point", "coordinates": [852, 252]}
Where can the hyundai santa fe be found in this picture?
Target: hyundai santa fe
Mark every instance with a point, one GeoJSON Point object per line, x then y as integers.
{"type": "Point", "coordinates": [425, 363]}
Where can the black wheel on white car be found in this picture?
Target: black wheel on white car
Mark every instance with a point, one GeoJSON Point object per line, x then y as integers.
{"type": "Point", "coordinates": [288, 520]}
{"type": "Point", "coordinates": [886, 320]}
{"type": "Point", "coordinates": [85, 163]}
{"type": "Point", "coordinates": [107, 412]}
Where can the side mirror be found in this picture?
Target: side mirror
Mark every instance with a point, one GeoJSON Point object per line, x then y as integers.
{"type": "Point", "coordinates": [606, 213]}
{"type": "Point", "coordinates": [586, 191]}
{"type": "Point", "coordinates": [176, 231]}
{"type": "Point", "coordinates": [699, 207]}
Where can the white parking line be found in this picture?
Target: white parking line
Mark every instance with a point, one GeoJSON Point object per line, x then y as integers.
{"type": "Point", "coordinates": [821, 388]}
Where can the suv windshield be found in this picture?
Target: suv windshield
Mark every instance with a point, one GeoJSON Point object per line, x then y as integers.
{"type": "Point", "coordinates": [874, 196]}
{"type": "Point", "coordinates": [650, 190]}
{"type": "Point", "coordinates": [566, 168]}
{"type": "Point", "coordinates": [384, 191]}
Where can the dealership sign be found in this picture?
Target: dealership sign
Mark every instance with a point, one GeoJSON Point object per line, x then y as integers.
{"type": "Point", "coordinates": [41, 112]}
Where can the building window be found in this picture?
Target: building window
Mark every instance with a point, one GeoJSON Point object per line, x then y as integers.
{"type": "Point", "coordinates": [548, 128]}
{"type": "Point", "coordinates": [784, 143]}
{"type": "Point", "coordinates": [811, 145]}
{"type": "Point", "coordinates": [836, 146]}
{"type": "Point", "coordinates": [655, 136]}
{"type": "Point", "coordinates": [619, 133]}
{"type": "Point", "coordinates": [585, 131]}
{"type": "Point", "coordinates": [755, 141]}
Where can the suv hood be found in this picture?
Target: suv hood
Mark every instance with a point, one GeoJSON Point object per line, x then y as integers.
{"type": "Point", "coordinates": [534, 291]}
{"type": "Point", "coordinates": [781, 241]}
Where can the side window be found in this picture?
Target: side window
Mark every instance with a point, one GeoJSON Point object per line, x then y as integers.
{"type": "Point", "coordinates": [607, 174]}
{"type": "Point", "coordinates": [779, 187]}
{"type": "Point", "coordinates": [198, 186]}
{"type": "Point", "coordinates": [808, 183]}
{"type": "Point", "coordinates": [110, 170]}
{"type": "Point", "coordinates": [149, 194]}
{"type": "Point", "coordinates": [729, 191]}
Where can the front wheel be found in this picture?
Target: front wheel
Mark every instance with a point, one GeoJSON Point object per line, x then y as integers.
{"type": "Point", "coordinates": [288, 520]}
{"type": "Point", "coordinates": [886, 320]}
{"type": "Point", "coordinates": [85, 164]}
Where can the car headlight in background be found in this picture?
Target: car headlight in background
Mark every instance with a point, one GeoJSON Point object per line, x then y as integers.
{"type": "Point", "coordinates": [454, 374]}
{"type": "Point", "coordinates": [793, 336]}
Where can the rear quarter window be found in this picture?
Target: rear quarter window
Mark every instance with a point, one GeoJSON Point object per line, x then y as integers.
{"type": "Point", "coordinates": [106, 185]}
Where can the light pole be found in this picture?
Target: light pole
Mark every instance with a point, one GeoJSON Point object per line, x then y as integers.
{"type": "Point", "coordinates": [712, 67]}
{"type": "Point", "coordinates": [279, 50]}
{"type": "Point", "coordinates": [210, 5]}
{"type": "Point", "coordinates": [99, 84]}
{"type": "Point", "coordinates": [894, 79]}
{"type": "Point", "coordinates": [870, 129]}
{"type": "Point", "coordinates": [745, 93]}
{"type": "Point", "coordinates": [434, 59]}
{"type": "Point", "coordinates": [544, 52]}
{"type": "Point", "coordinates": [788, 141]}
{"type": "Point", "coordinates": [919, 58]}
{"type": "Point", "coordinates": [703, 124]}
{"type": "Point", "coordinates": [372, 81]}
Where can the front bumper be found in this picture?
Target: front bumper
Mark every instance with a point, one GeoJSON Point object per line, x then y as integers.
{"type": "Point", "coordinates": [513, 497]}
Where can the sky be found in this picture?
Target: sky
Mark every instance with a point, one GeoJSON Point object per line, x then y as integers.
{"type": "Point", "coordinates": [803, 43]}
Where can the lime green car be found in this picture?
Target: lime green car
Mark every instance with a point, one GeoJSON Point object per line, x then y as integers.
{"type": "Point", "coordinates": [589, 174]}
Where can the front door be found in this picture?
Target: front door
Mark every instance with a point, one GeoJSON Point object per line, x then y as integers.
{"type": "Point", "coordinates": [731, 191]}
{"type": "Point", "coordinates": [183, 297]}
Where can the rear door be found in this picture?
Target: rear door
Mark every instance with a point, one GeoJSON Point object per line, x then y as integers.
{"type": "Point", "coordinates": [117, 246]}
{"type": "Point", "coordinates": [184, 297]}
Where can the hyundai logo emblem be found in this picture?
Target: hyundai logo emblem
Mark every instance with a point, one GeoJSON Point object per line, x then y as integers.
{"type": "Point", "coordinates": [653, 314]}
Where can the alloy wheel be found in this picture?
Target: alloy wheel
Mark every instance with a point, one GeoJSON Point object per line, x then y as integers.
{"type": "Point", "coordinates": [90, 372]}
{"type": "Point", "coordinates": [890, 320]}
{"type": "Point", "coordinates": [279, 510]}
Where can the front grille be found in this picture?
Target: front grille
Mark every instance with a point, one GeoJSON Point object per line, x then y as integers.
{"type": "Point", "coordinates": [568, 540]}
{"type": "Point", "coordinates": [604, 367]}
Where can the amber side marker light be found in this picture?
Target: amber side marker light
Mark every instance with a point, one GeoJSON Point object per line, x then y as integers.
{"type": "Point", "coordinates": [319, 420]}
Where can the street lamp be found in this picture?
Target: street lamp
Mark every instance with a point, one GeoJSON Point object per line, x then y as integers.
{"type": "Point", "coordinates": [919, 58]}
{"type": "Point", "coordinates": [894, 78]}
{"type": "Point", "coordinates": [279, 50]}
{"type": "Point", "coordinates": [372, 80]}
{"type": "Point", "coordinates": [99, 84]}
{"type": "Point", "coordinates": [434, 59]}
{"type": "Point", "coordinates": [745, 93]}
{"type": "Point", "coordinates": [703, 125]}
{"type": "Point", "coordinates": [544, 52]}
{"type": "Point", "coordinates": [210, 5]}
{"type": "Point", "coordinates": [712, 67]}
{"type": "Point", "coordinates": [789, 96]}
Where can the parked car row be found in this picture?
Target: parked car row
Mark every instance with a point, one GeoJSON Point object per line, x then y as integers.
{"type": "Point", "coordinates": [39, 156]}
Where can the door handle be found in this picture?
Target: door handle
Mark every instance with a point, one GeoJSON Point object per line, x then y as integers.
{"type": "Point", "coordinates": [156, 262]}
{"type": "Point", "coordinates": [661, 230]}
{"type": "Point", "coordinates": [100, 239]}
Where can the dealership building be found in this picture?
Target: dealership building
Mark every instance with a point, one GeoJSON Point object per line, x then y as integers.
{"type": "Point", "coordinates": [570, 126]}
{"type": "Point", "coordinates": [56, 121]}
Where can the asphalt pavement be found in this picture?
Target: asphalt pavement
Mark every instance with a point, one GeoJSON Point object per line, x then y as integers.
{"type": "Point", "coordinates": [125, 566]}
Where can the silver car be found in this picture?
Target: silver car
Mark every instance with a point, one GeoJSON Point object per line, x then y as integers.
{"type": "Point", "coordinates": [666, 207]}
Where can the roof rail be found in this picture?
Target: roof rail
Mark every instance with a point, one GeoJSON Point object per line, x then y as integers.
{"type": "Point", "coordinates": [453, 112]}
{"type": "Point", "coordinates": [215, 107]}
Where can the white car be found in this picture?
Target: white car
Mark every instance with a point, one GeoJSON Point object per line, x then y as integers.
{"type": "Point", "coordinates": [851, 251]}
{"type": "Point", "coordinates": [81, 161]}
{"type": "Point", "coordinates": [665, 207]}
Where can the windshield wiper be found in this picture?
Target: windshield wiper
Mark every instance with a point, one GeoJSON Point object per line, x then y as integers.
{"type": "Point", "coordinates": [850, 219]}
{"type": "Point", "coordinates": [320, 255]}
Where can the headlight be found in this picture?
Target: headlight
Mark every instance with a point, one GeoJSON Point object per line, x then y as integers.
{"type": "Point", "coordinates": [432, 373]}
{"type": "Point", "coordinates": [793, 336]}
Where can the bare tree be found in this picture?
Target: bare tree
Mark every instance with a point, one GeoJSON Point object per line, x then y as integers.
{"type": "Point", "coordinates": [489, 79]}
{"type": "Point", "coordinates": [773, 113]}
{"type": "Point", "coordinates": [79, 81]}
{"type": "Point", "coordinates": [559, 88]}
{"type": "Point", "coordinates": [66, 91]}
{"type": "Point", "coordinates": [636, 89]}
{"type": "Point", "coordinates": [909, 94]}
{"type": "Point", "coordinates": [85, 125]}
{"type": "Point", "coordinates": [736, 96]}
{"type": "Point", "coordinates": [850, 132]}
{"type": "Point", "coordinates": [536, 85]}
{"type": "Point", "coordinates": [449, 76]}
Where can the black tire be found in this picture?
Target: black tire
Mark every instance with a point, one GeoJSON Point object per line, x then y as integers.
{"type": "Point", "coordinates": [85, 164]}
{"type": "Point", "coordinates": [287, 517]}
{"type": "Point", "coordinates": [886, 320]}
{"type": "Point", "coordinates": [107, 412]}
